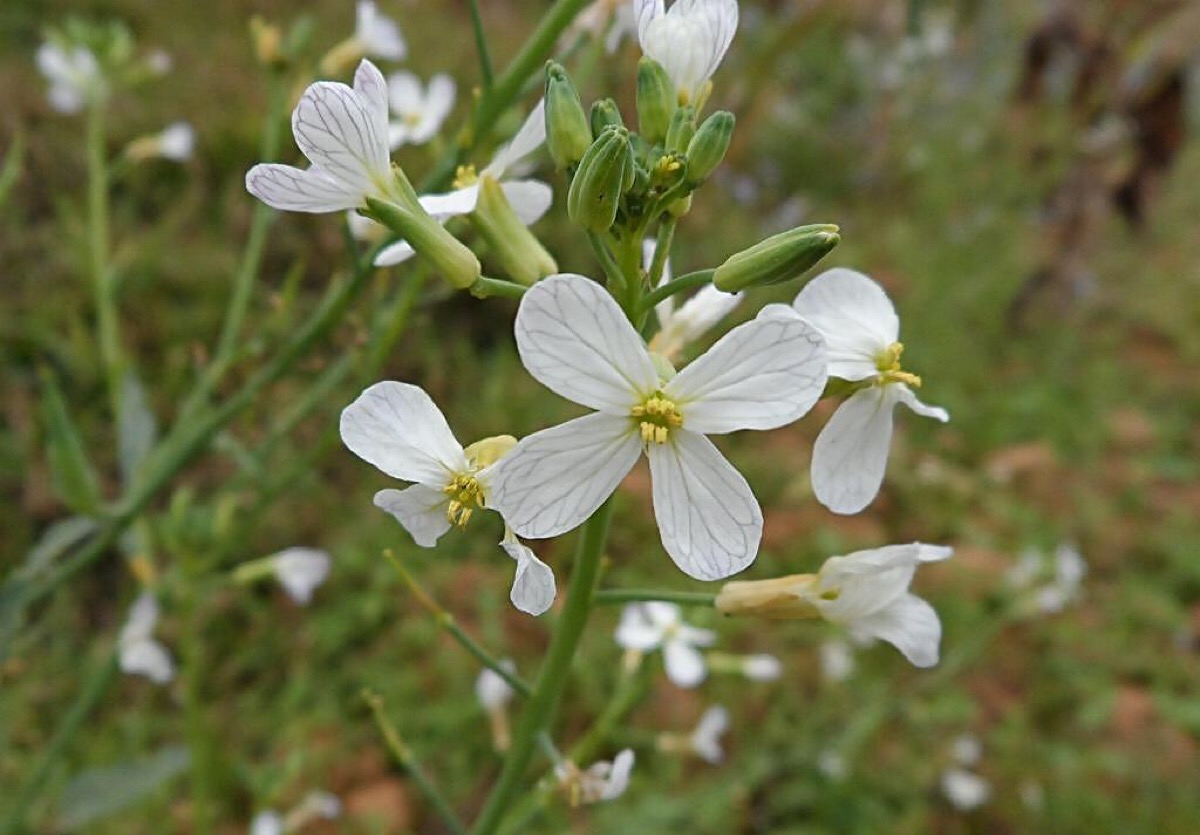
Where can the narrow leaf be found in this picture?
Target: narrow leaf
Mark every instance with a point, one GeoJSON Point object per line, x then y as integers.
{"type": "Point", "coordinates": [137, 428]}
{"type": "Point", "coordinates": [99, 792]}
{"type": "Point", "coordinates": [73, 476]}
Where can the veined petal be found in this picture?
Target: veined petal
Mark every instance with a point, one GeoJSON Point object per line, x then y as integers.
{"type": "Point", "coordinates": [762, 374]}
{"type": "Point", "coordinates": [420, 509]}
{"type": "Point", "coordinates": [690, 40]}
{"type": "Point", "coordinates": [850, 455]}
{"type": "Point", "coordinates": [553, 480]}
{"type": "Point", "coordinates": [394, 254]}
{"type": "Point", "coordinates": [533, 586]}
{"type": "Point", "coordinates": [530, 199]}
{"type": "Point", "coordinates": [528, 139]}
{"type": "Point", "coordinates": [903, 394]}
{"type": "Point", "coordinates": [644, 11]}
{"type": "Point", "coordinates": [574, 340]}
{"type": "Point", "coordinates": [874, 560]}
{"type": "Point", "coordinates": [291, 189]}
{"type": "Point", "coordinates": [684, 663]}
{"type": "Point", "coordinates": [855, 316]}
{"type": "Point", "coordinates": [343, 131]}
{"type": "Point", "coordinates": [910, 625]}
{"type": "Point", "coordinates": [452, 204]}
{"type": "Point", "coordinates": [397, 427]}
{"type": "Point", "coordinates": [708, 518]}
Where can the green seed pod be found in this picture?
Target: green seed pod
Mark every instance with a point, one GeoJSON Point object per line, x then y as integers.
{"type": "Point", "coordinates": [604, 174]}
{"type": "Point", "coordinates": [605, 114]}
{"type": "Point", "coordinates": [682, 129]}
{"type": "Point", "coordinates": [656, 100]}
{"type": "Point", "coordinates": [430, 239]}
{"type": "Point", "coordinates": [708, 146]}
{"type": "Point", "coordinates": [779, 258]}
{"type": "Point", "coordinates": [568, 134]}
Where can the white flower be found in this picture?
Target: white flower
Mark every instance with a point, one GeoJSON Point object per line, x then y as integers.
{"type": "Point", "coordinates": [689, 40]}
{"type": "Point", "coordinates": [1052, 584]}
{"type": "Point", "coordinates": [574, 339]}
{"type": "Point", "coordinates": [611, 18]}
{"type": "Point", "coordinates": [377, 35]}
{"type": "Point", "coordinates": [601, 781]}
{"type": "Point", "coordinates": [659, 625]}
{"type": "Point", "coordinates": [837, 660]}
{"type": "Point", "coordinates": [705, 740]}
{"type": "Point", "coordinates": [138, 653]}
{"type": "Point", "coordinates": [344, 133]}
{"type": "Point", "coordinates": [397, 428]}
{"type": "Point", "coordinates": [862, 332]}
{"type": "Point", "coordinates": [301, 571]}
{"type": "Point", "coordinates": [419, 110]}
{"type": "Point", "coordinates": [762, 667]}
{"type": "Point", "coordinates": [678, 327]}
{"type": "Point", "coordinates": [832, 764]}
{"type": "Point", "coordinates": [964, 790]}
{"type": "Point", "coordinates": [966, 749]}
{"type": "Point", "coordinates": [492, 691]}
{"type": "Point", "coordinates": [177, 141]}
{"type": "Point", "coordinates": [74, 76]}
{"type": "Point", "coordinates": [267, 823]}
{"type": "Point", "coordinates": [315, 805]}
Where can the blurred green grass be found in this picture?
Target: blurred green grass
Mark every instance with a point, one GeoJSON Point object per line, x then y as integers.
{"type": "Point", "coordinates": [1083, 428]}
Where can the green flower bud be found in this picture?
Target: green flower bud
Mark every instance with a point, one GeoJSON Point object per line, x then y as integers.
{"type": "Point", "coordinates": [519, 253]}
{"type": "Point", "coordinates": [605, 173]}
{"type": "Point", "coordinates": [779, 258]}
{"type": "Point", "coordinates": [668, 170]}
{"type": "Point", "coordinates": [708, 146]}
{"type": "Point", "coordinates": [605, 114]}
{"type": "Point", "coordinates": [683, 127]}
{"type": "Point", "coordinates": [568, 134]}
{"type": "Point", "coordinates": [656, 100]}
{"type": "Point", "coordinates": [430, 239]}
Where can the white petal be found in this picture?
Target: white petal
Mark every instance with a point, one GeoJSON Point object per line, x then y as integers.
{"type": "Point", "coordinates": [850, 455]}
{"type": "Point", "coordinates": [554, 480]}
{"type": "Point", "coordinates": [637, 629]}
{"type": "Point", "coordinates": [964, 790]}
{"type": "Point", "coordinates": [420, 509]}
{"type": "Point", "coordinates": [618, 775]}
{"type": "Point", "coordinates": [856, 318]}
{"type": "Point", "coordinates": [291, 189]}
{"type": "Point", "coordinates": [684, 663]}
{"type": "Point", "coordinates": [406, 95]}
{"type": "Point", "coordinates": [689, 40]}
{"type": "Point", "coordinates": [533, 587]}
{"type": "Point", "coordinates": [452, 204]}
{"type": "Point", "coordinates": [574, 339]}
{"type": "Point", "coordinates": [343, 131]}
{"type": "Point", "coordinates": [394, 254]}
{"type": "Point", "coordinates": [528, 139]}
{"type": "Point", "coordinates": [65, 98]}
{"type": "Point", "coordinates": [439, 98]}
{"type": "Point", "coordinates": [147, 658]}
{"type": "Point", "coordinates": [379, 35]}
{"type": "Point", "coordinates": [904, 394]}
{"type": "Point", "coordinates": [530, 199]}
{"type": "Point", "coordinates": [491, 688]}
{"type": "Point", "coordinates": [267, 823]}
{"type": "Point", "coordinates": [703, 310]}
{"type": "Point", "coordinates": [762, 374]}
{"type": "Point", "coordinates": [644, 11]}
{"type": "Point", "coordinates": [910, 625]}
{"type": "Point", "coordinates": [301, 571]}
{"type": "Point", "coordinates": [665, 308]}
{"type": "Point", "coordinates": [706, 739]}
{"type": "Point", "coordinates": [143, 615]}
{"type": "Point", "coordinates": [708, 518]}
{"type": "Point", "coordinates": [398, 428]}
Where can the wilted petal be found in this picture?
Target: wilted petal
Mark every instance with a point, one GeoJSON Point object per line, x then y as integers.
{"type": "Point", "coordinates": [291, 189]}
{"type": "Point", "coordinates": [708, 518]}
{"type": "Point", "coordinates": [420, 509]}
{"type": "Point", "coordinates": [533, 587]}
{"type": "Point", "coordinates": [850, 455]}
{"type": "Point", "coordinates": [684, 663]}
{"type": "Point", "coordinates": [856, 318]}
{"type": "Point", "coordinates": [762, 374]}
{"type": "Point", "coordinates": [576, 341]}
{"type": "Point", "coordinates": [398, 428]}
{"type": "Point", "coordinates": [555, 479]}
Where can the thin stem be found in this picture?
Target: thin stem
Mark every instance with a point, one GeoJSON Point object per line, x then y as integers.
{"type": "Point", "coordinates": [685, 282]}
{"type": "Point", "coordinates": [485, 287]}
{"type": "Point", "coordinates": [107, 320]}
{"type": "Point", "coordinates": [481, 47]}
{"type": "Point", "coordinates": [662, 250]}
{"type": "Point", "coordinates": [539, 710]}
{"type": "Point", "coordinates": [612, 271]}
{"type": "Point", "coordinates": [609, 597]}
{"type": "Point", "coordinates": [407, 760]}
{"type": "Point", "coordinates": [88, 698]}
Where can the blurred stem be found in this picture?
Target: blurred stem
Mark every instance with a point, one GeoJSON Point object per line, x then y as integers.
{"type": "Point", "coordinates": [103, 286]}
{"type": "Point", "coordinates": [481, 47]}
{"type": "Point", "coordinates": [662, 250]}
{"type": "Point", "coordinates": [539, 711]}
{"type": "Point", "coordinates": [683, 598]}
{"type": "Point", "coordinates": [198, 736]}
{"type": "Point", "coordinates": [677, 285]}
{"type": "Point", "coordinates": [88, 698]}
{"type": "Point", "coordinates": [407, 760]}
{"type": "Point", "coordinates": [612, 270]}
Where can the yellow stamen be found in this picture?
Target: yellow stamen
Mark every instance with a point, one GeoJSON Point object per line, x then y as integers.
{"type": "Point", "coordinates": [465, 176]}
{"type": "Point", "coordinates": [465, 495]}
{"type": "Point", "coordinates": [656, 417]}
{"type": "Point", "coordinates": [888, 363]}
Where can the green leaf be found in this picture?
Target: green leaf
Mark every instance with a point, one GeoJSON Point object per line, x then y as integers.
{"type": "Point", "coordinates": [99, 792]}
{"type": "Point", "coordinates": [55, 541]}
{"type": "Point", "coordinates": [74, 477]}
{"type": "Point", "coordinates": [137, 428]}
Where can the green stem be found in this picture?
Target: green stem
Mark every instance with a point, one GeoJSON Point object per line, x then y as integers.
{"type": "Point", "coordinates": [484, 657]}
{"type": "Point", "coordinates": [103, 287]}
{"type": "Point", "coordinates": [685, 282]}
{"type": "Point", "coordinates": [481, 47]}
{"type": "Point", "coordinates": [199, 737]}
{"type": "Point", "coordinates": [485, 287]}
{"type": "Point", "coordinates": [539, 710]}
{"type": "Point", "coordinates": [662, 251]}
{"type": "Point", "coordinates": [612, 270]}
{"type": "Point", "coordinates": [87, 700]}
{"type": "Point", "coordinates": [683, 598]}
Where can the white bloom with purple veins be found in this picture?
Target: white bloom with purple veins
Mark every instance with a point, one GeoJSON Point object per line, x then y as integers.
{"type": "Point", "coordinates": [688, 40]}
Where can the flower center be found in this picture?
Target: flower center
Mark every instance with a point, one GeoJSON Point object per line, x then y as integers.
{"type": "Point", "coordinates": [888, 363]}
{"type": "Point", "coordinates": [412, 119]}
{"type": "Point", "coordinates": [465, 495]}
{"type": "Point", "coordinates": [656, 417]}
{"type": "Point", "coordinates": [465, 176]}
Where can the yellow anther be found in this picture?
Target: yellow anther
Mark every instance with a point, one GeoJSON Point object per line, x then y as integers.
{"type": "Point", "coordinates": [656, 417]}
{"type": "Point", "coordinates": [900, 377]}
{"type": "Point", "coordinates": [465, 176]}
{"type": "Point", "coordinates": [465, 495]}
{"type": "Point", "coordinates": [669, 165]}
{"type": "Point", "coordinates": [888, 363]}
{"type": "Point", "coordinates": [831, 594]}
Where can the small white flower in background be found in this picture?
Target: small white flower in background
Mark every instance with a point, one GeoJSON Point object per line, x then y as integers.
{"type": "Point", "coordinates": [677, 327]}
{"type": "Point", "coordinates": [1053, 583]}
{"type": "Point", "coordinates": [397, 428]}
{"type": "Point", "coordinates": [689, 40]}
{"type": "Point", "coordinates": [419, 110]}
{"type": "Point", "coordinates": [862, 332]}
{"type": "Point", "coordinates": [576, 341]}
{"type": "Point", "coordinates": [964, 790]}
{"type": "Point", "coordinates": [832, 764]}
{"type": "Point", "coordinates": [138, 653]}
{"type": "Point", "coordinates": [645, 627]}
{"type": "Point", "coordinates": [378, 35]}
{"type": "Point", "coordinates": [706, 738]}
{"type": "Point", "coordinates": [762, 667]}
{"type": "Point", "coordinates": [837, 660]}
{"type": "Point", "coordinates": [966, 749]}
{"type": "Point", "coordinates": [159, 61]}
{"type": "Point", "coordinates": [599, 782]}
{"type": "Point", "coordinates": [74, 76]}
{"type": "Point", "coordinates": [301, 571]}
{"type": "Point", "coordinates": [177, 141]}
{"type": "Point", "coordinates": [316, 805]}
{"type": "Point", "coordinates": [344, 133]}
{"type": "Point", "coordinates": [267, 823]}
{"type": "Point", "coordinates": [494, 694]}
{"type": "Point", "coordinates": [612, 19]}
